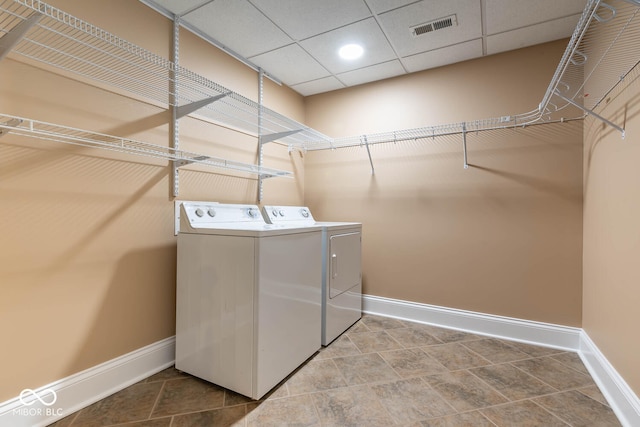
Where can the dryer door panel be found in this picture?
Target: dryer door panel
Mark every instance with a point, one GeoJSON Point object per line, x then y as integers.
{"type": "Point", "coordinates": [345, 270]}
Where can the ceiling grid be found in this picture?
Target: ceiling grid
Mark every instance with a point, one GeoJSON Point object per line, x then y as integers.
{"type": "Point", "coordinates": [298, 45]}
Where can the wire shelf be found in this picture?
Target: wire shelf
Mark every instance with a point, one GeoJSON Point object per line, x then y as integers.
{"type": "Point", "coordinates": [68, 135]}
{"type": "Point", "coordinates": [65, 42]}
{"type": "Point", "coordinates": [611, 55]}
{"type": "Point", "coordinates": [606, 44]}
{"type": "Point", "coordinates": [503, 122]}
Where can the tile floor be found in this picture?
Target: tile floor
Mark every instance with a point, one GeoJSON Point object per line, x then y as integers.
{"type": "Point", "coordinates": [381, 372]}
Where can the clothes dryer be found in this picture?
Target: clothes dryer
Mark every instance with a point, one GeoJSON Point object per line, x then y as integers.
{"type": "Point", "coordinates": [341, 267]}
{"type": "Point", "coordinates": [248, 296]}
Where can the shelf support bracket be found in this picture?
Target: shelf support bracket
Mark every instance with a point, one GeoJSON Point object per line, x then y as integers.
{"type": "Point", "coordinates": [9, 40]}
{"type": "Point", "coordinates": [180, 163]}
{"type": "Point", "coordinates": [10, 123]}
{"type": "Point", "coordinates": [264, 139]}
{"type": "Point", "coordinates": [366, 144]}
{"type": "Point", "coordinates": [592, 113]}
{"type": "Point", "coordinates": [464, 144]}
{"type": "Point", "coordinates": [184, 110]}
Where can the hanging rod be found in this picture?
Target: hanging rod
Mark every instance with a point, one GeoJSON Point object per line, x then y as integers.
{"type": "Point", "coordinates": [68, 135]}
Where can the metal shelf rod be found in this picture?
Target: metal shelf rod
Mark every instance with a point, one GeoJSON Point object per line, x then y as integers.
{"type": "Point", "coordinates": [592, 113]}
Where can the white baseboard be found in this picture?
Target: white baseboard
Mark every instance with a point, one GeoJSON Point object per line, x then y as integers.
{"type": "Point", "coordinates": [622, 399]}
{"type": "Point", "coordinates": [84, 388]}
{"type": "Point", "coordinates": [527, 331]}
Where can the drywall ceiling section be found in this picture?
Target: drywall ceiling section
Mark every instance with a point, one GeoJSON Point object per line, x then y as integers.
{"type": "Point", "coordinates": [297, 41]}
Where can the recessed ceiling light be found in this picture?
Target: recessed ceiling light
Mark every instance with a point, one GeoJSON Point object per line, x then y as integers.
{"type": "Point", "coordinates": [351, 51]}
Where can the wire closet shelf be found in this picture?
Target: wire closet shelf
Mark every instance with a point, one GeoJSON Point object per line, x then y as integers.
{"type": "Point", "coordinates": [69, 135]}
{"type": "Point", "coordinates": [60, 40]}
{"type": "Point", "coordinates": [42, 33]}
{"type": "Point", "coordinates": [610, 56]}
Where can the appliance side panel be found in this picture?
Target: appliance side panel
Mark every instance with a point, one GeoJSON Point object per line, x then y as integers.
{"type": "Point", "coordinates": [214, 309]}
{"type": "Point", "coordinates": [289, 305]}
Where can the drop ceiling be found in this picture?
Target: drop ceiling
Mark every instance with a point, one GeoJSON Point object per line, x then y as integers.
{"type": "Point", "coordinates": [296, 41]}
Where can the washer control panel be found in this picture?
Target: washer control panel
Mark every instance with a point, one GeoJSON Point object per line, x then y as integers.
{"type": "Point", "coordinates": [203, 214]}
{"type": "Point", "coordinates": [284, 214]}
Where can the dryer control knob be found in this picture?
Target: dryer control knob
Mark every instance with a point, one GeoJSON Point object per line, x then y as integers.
{"type": "Point", "coordinates": [211, 212]}
{"type": "Point", "coordinates": [251, 213]}
{"type": "Point", "coordinates": [281, 212]}
{"type": "Point", "coordinates": [274, 212]}
{"type": "Point", "coordinates": [199, 212]}
{"type": "Point", "coordinates": [304, 213]}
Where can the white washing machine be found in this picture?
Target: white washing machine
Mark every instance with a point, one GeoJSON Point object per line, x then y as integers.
{"type": "Point", "coordinates": [248, 296]}
{"type": "Point", "coordinates": [341, 267]}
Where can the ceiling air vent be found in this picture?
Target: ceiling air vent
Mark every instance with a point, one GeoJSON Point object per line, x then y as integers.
{"type": "Point", "coordinates": [435, 25]}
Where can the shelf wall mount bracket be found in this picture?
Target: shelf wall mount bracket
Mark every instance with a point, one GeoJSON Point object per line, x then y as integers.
{"type": "Point", "coordinates": [180, 163]}
{"type": "Point", "coordinates": [264, 139]}
{"type": "Point", "coordinates": [591, 113]}
{"type": "Point", "coordinates": [184, 110]}
{"type": "Point", "coordinates": [464, 145]}
{"type": "Point", "coordinates": [366, 144]}
{"type": "Point", "coordinates": [4, 127]}
{"type": "Point", "coordinates": [13, 37]}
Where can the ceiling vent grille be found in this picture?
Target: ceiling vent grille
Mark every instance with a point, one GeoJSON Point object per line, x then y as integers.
{"type": "Point", "coordinates": [435, 25]}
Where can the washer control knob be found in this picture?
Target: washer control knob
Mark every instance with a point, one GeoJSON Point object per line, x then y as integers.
{"type": "Point", "coordinates": [281, 212]}
{"type": "Point", "coordinates": [211, 212]}
{"type": "Point", "coordinates": [199, 212]}
{"type": "Point", "coordinates": [304, 213]}
{"type": "Point", "coordinates": [251, 213]}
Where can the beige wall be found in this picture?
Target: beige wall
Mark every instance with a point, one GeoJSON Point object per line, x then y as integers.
{"type": "Point", "coordinates": [87, 264]}
{"type": "Point", "coordinates": [87, 268]}
{"type": "Point", "coordinates": [611, 231]}
{"type": "Point", "coordinates": [502, 237]}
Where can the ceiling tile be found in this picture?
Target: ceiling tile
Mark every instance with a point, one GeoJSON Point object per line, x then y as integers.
{"type": "Point", "coordinates": [291, 64]}
{"type": "Point", "coordinates": [318, 86]}
{"type": "Point", "coordinates": [180, 7]}
{"type": "Point", "coordinates": [505, 15]}
{"type": "Point", "coordinates": [534, 34]}
{"type": "Point", "coordinates": [372, 73]}
{"type": "Point", "coordinates": [297, 41]}
{"type": "Point", "coordinates": [249, 32]}
{"type": "Point", "coordinates": [380, 6]}
{"type": "Point", "coordinates": [397, 23]}
{"type": "Point", "coordinates": [447, 55]}
{"type": "Point", "coordinates": [366, 33]}
{"type": "Point", "coordinates": [311, 17]}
